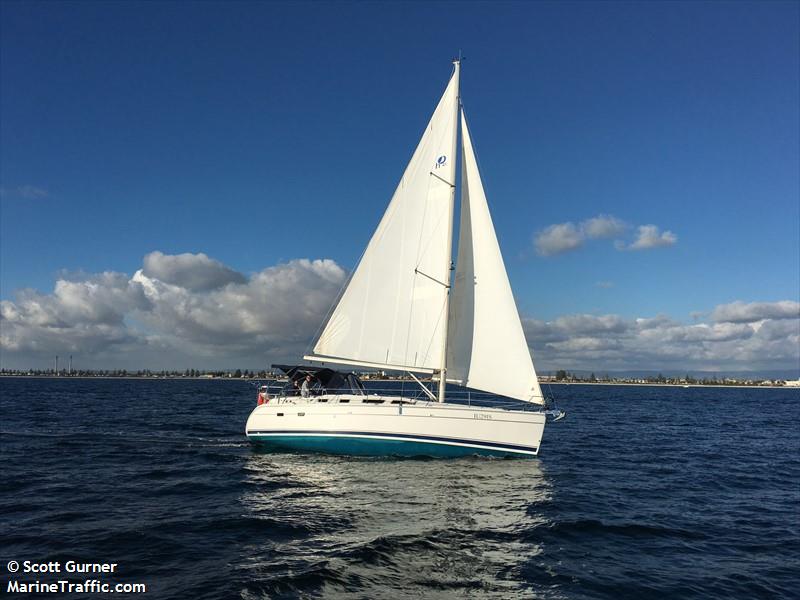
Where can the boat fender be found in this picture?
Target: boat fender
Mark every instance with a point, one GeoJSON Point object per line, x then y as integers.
{"type": "Point", "coordinates": [263, 398]}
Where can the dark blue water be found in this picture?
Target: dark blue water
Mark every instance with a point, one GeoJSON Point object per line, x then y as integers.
{"type": "Point", "coordinates": [642, 492]}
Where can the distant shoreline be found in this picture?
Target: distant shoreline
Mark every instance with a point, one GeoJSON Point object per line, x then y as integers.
{"type": "Point", "coordinates": [542, 383]}
{"type": "Point", "coordinates": [680, 385]}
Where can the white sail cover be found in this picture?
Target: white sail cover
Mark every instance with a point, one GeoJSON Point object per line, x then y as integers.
{"type": "Point", "coordinates": [392, 312]}
{"type": "Point", "coordinates": [486, 347]}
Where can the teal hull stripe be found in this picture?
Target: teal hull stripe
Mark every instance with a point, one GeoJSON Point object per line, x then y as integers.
{"type": "Point", "coordinates": [360, 446]}
{"type": "Point", "coordinates": [418, 444]}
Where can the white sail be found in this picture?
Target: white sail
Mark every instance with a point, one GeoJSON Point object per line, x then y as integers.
{"type": "Point", "coordinates": [487, 349]}
{"type": "Point", "coordinates": [392, 312]}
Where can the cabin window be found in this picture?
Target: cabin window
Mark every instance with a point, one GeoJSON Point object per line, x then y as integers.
{"type": "Point", "coordinates": [301, 414]}
{"type": "Point", "coordinates": [372, 401]}
{"type": "Point", "coordinates": [280, 414]}
{"type": "Point", "coordinates": [322, 399]}
{"type": "Point", "coordinates": [344, 401]}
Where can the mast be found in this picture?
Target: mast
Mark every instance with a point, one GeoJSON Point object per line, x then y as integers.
{"type": "Point", "coordinates": [449, 253]}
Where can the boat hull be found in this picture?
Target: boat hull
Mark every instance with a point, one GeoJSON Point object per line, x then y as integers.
{"type": "Point", "coordinates": [394, 429]}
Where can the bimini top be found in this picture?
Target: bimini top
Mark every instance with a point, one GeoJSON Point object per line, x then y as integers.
{"type": "Point", "coordinates": [325, 377]}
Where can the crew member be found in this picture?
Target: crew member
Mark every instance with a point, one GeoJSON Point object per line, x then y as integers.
{"type": "Point", "coordinates": [305, 389]}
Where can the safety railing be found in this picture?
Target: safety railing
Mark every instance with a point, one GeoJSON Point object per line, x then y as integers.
{"type": "Point", "coordinates": [406, 391]}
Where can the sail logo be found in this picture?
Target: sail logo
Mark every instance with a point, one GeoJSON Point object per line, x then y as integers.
{"type": "Point", "coordinates": [441, 161]}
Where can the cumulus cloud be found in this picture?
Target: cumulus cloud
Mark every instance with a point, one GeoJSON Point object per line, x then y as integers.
{"type": "Point", "coordinates": [195, 272]}
{"type": "Point", "coordinates": [186, 306]}
{"type": "Point", "coordinates": [78, 314]}
{"type": "Point", "coordinates": [115, 320]}
{"type": "Point", "coordinates": [659, 321]}
{"type": "Point", "coordinates": [778, 330]}
{"type": "Point", "coordinates": [649, 236]}
{"type": "Point", "coordinates": [589, 324]}
{"type": "Point", "coordinates": [564, 237]}
{"type": "Point", "coordinates": [610, 342]}
{"type": "Point", "coordinates": [718, 332]}
{"type": "Point", "coordinates": [280, 305]}
{"type": "Point", "coordinates": [603, 226]}
{"type": "Point", "coordinates": [557, 239]}
{"type": "Point", "coordinates": [740, 312]}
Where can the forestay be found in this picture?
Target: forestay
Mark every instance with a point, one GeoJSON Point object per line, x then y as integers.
{"type": "Point", "coordinates": [486, 346]}
{"type": "Point", "coordinates": [392, 312]}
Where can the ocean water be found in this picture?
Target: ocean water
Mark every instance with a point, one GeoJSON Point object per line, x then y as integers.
{"type": "Point", "coordinates": [641, 492]}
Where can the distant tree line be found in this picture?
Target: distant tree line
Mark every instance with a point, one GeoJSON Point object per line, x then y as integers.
{"type": "Point", "coordinates": [562, 375]}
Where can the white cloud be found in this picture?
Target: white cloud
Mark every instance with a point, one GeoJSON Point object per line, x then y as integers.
{"type": "Point", "coordinates": [778, 330]}
{"type": "Point", "coordinates": [718, 332]}
{"type": "Point", "coordinates": [578, 325]}
{"type": "Point", "coordinates": [563, 237]}
{"type": "Point", "coordinates": [609, 342]}
{"type": "Point", "coordinates": [280, 305]}
{"type": "Point", "coordinates": [649, 236]}
{"type": "Point", "coordinates": [112, 320]}
{"type": "Point", "coordinates": [202, 311]}
{"type": "Point", "coordinates": [740, 312]}
{"type": "Point", "coordinates": [78, 314]}
{"type": "Point", "coordinates": [557, 239]}
{"type": "Point", "coordinates": [659, 321]}
{"type": "Point", "coordinates": [195, 272]}
{"type": "Point", "coordinates": [603, 226]}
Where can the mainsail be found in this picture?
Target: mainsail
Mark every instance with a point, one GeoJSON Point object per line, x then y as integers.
{"type": "Point", "coordinates": [486, 346]}
{"type": "Point", "coordinates": [392, 313]}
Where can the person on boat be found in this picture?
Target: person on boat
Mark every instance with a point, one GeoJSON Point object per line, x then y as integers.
{"type": "Point", "coordinates": [295, 389]}
{"type": "Point", "coordinates": [305, 389]}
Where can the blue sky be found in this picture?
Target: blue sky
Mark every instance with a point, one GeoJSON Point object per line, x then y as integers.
{"type": "Point", "coordinates": [262, 133]}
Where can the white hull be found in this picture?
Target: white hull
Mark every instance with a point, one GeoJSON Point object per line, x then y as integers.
{"type": "Point", "coordinates": [382, 425]}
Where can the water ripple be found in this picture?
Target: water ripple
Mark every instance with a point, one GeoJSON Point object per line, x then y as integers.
{"type": "Point", "coordinates": [640, 493]}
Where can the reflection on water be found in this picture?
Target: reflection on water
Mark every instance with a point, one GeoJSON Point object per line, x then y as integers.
{"type": "Point", "coordinates": [391, 525]}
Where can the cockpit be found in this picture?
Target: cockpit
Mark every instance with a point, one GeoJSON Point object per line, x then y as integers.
{"type": "Point", "coordinates": [323, 381]}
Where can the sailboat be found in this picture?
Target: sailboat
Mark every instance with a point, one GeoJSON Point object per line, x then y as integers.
{"type": "Point", "coordinates": [407, 308]}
